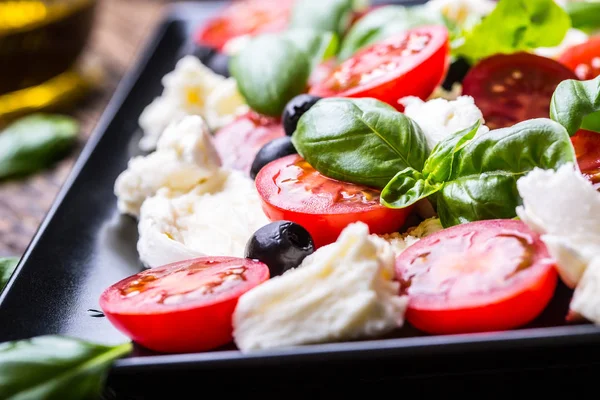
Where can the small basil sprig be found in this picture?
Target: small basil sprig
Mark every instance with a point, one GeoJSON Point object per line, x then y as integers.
{"type": "Point", "coordinates": [34, 142]}
{"type": "Point", "coordinates": [576, 104]}
{"type": "Point", "coordinates": [55, 367]}
{"type": "Point", "coordinates": [474, 177]}
{"type": "Point", "coordinates": [7, 267]}
{"type": "Point", "coordinates": [585, 15]}
{"type": "Point", "coordinates": [272, 69]}
{"type": "Point", "coordinates": [323, 15]}
{"type": "Point", "coordinates": [363, 141]}
{"type": "Point", "coordinates": [515, 25]}
{"type": "Point", "coordinates": [384, 22]}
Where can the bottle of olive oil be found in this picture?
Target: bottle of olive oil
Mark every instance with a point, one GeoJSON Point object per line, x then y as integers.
{"type": "Point", "coordinates": [40, 42]}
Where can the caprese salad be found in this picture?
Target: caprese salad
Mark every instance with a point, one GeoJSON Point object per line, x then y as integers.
{"type": "Point", "coordinates": [321, 171]}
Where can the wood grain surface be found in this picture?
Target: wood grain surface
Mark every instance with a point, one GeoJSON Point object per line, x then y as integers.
{"type": "Point", "coordinates": [119, 33]}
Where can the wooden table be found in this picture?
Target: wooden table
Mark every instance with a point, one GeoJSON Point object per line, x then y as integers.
{"type": "Point", "coordinates": [118, 36]}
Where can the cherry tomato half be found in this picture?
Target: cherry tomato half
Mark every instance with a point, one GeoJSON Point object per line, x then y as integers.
{"type": "Point", "coordinates": [412, 63]}
{"type": "Point", "coordinates": [182, 307]}
{"type": "Point", "coordinates": [481, 276]}
{"type": "Point", "coordinates": [238, 142]}
{"type": "Point", "coordinates": [587, 151]}
{"type": "Point", "coordinates": [292, 190]}
{"type": "Point", "coordinates": [510, 88]}
{"type": "Point", "coordinates": [245, 17]}
{"type": "Point", "coordinates": [583, 59]}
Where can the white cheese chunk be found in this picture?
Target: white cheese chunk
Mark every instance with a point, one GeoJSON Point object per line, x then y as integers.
{"type": "Point", "coordinates": [563, 207]}
{"type": "Point", "coordinates": [343, 291]}
{"type": "Point", "coordinates": [185, 157]}
{"type": "Point", "coordinates": [401, 241]}
{"type": "Point", "coordinates": [462, 12]}
{"type": "Point", "coordinates": [439, 117]}
{"type": "Point", "coordinates": [573, 37]}
{"type": "Point", "coordinates": [187, 90]}
{"type": "Point", "coordinates": [586, 298]}
{"type": "Point", "coordinates": [216, 222]}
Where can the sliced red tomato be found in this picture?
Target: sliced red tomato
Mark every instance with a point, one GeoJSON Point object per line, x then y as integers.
{"type": "Point", "coordinates": [481, 276]}
{"type": "Point", "coordinates": [245, 17]}
{"type": "Point", "coordinates": [510, 88]}
{"type": "Point", "coordinates": [583, 59]}
{"type": "Point", "coordinates": [182, 307]}
{"type": "Point", "coordinates": [412, 63]}
{"type": "Point", "coordinates": [587, 151]}
{"type": "Point", "coordinates": [292, 190]}
{"type": "Point", "coordinates": [238, 142]}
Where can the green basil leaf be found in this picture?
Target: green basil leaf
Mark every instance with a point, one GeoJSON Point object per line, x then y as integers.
{"type": "Point", "coordinates": [318, 46]}
{"type": "Point", "coordinates": [363, 141]}
{"type": "Point", "coordinates": [269, 71]}
{"type": "Point", "coordinates": [385, 22]}
{"type": "Point", "coordinates": [478, 197]}
{"type": "Point", "coordinates": [34, 142]}
{"type": "Point", "coordinates": [515, 25]}
{"type": "Point", "coordinates": [574, 104]}
{"type": "Point", "coordinates": [7, 267]}
{"type": "Point", "coordinates": [440, 163]}
{"type": "Point", "coordinates": [585, 15]}
{"type": "Point", "coordinates": [55, 367]}
{"type": "Point", "coordinates": [518, 149]}
{"type": "Point", "coordinates": [323, 15]}
{"type": "Point", "coordinates": [406, 188]}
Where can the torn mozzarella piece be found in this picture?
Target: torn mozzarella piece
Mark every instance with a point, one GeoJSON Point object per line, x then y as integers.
{"type": "Point", "coordinates": [215, 222]}
{"type": "Point", "coordinates": [572, 38]}
{"type": "Point", "coordinates": [563, 207]}
{"type": "Point", "coordinates": [439, 117]}
{"type": "Point", "coordinates": [401, 241]}
{"type": "Point", "coordinates": [185, 158]}
{"type": "Point", "coordinates": [462, 11]}
{"type": "Point", "coordinates": [586, 298]}
{"type": "Point", "coordinates": [343, 291]}
{"type": "Point", "coordinates": [187, 90]}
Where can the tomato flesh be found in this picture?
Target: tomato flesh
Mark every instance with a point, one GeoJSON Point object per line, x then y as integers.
{"type": "Point", "coordinates": [247, 17]}
{"type": "Point", "coordinates": [511, 88]}
{"type": "Point", "coordinates": [292, 190]}
{"type": "Point", "coordinates": [238, 142]}
{"type": "Point", "coordinates": [182, 307]}
{"type": "Point", "coordinates": [412, 63]}
{"type": "Point", "coordinates": [583, 59]}
{"type": "Point", "coordinates": [587, 151]}
{"type": "Point", "coordinates": [477, 277]}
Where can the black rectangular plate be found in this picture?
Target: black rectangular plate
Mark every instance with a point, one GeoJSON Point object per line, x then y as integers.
{"type": "Point", "coordinates": [84, 246]}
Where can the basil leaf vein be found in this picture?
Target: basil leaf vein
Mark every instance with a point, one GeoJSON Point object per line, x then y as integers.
{"type": "Point", "coordinates": [55, 367]}
{"type": "Point", "coordinates": [576, 104]}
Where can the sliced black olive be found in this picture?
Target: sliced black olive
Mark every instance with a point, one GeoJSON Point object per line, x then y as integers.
{"type": "Point", "coordinates": [294, 109]}
{"type": "Point", "coordinates": [281, 245]}
{"type": "Point", "coordinates": [276, 148]}
{"type": "Point", "coordinates": [456, 73]}
{"type": "Point", "coordinates": [219, 63]}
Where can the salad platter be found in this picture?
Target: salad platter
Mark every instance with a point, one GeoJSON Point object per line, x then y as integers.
{"type": "Point", "coordinates": [360, 192]}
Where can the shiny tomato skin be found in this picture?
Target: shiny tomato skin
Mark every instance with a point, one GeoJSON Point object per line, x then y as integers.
{"type": "Point", "coordinates": [505, 302]}
{"type": "Point", "coordinates": [583, 59]}
{"type": "Point", "coordinates": [382, 71]}
{"type": "Point", "coordinates": [245, 17]}
{"type": "Point", "coordinates": [587, 151]}
{"type": "Point", "coordinates": [511, 88]}
{"type": "Point", "coordinates": [198, 324]}
{"type": "Point", "coordinates": [238, 142]}
{"type": "Point", "coordinates": [292, 190]}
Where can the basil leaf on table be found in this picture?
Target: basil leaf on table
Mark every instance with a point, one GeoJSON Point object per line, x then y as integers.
{"type": "Point", "coordinates": [7, 267]}
{"type": "Point", "coordinates": [576, 104]}
{"type": "Point", "coordinates": [385, 22]}
{"type": "Point", "coordinates": [515, 25]}
{"type": "Point", "coordinates": [584, 15]}
{"type": "Point", "coordinates": [55, 367]}
{"type": "Point", "coordinates": [323, 15]}
{"type": "Point", "coordinates": [363, 141]}
{"type": "Point", "coordinates": [34, 142]}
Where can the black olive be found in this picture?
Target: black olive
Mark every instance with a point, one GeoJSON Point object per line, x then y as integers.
{"type": "Point", "coordinates": [294, 109]}
{"type": "Point", "coordinates": [271, 151]}
{"type": "Point", "coordinates": [219, 63]}
{"type": "Point", "coordinates": [281, 245]}
{"type": "Point", "coordinates": [456, 73]}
